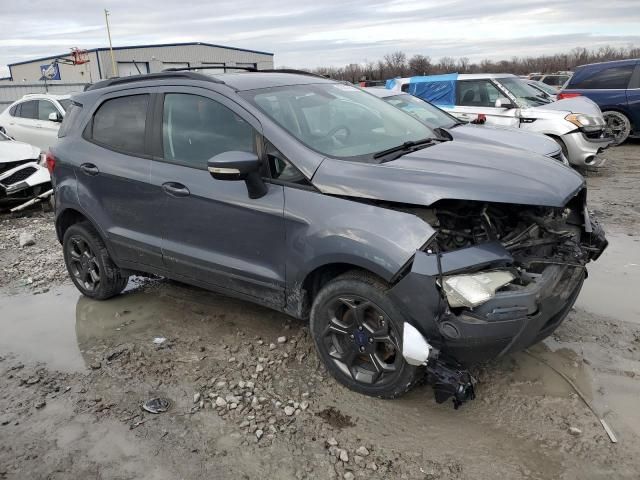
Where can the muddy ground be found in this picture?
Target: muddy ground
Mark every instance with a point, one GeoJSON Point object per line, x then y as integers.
{"type": "Point", "coordinates": [249, 398]}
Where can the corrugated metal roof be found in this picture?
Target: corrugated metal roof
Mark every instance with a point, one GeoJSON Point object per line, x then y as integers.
{"type": "Point", "coordinates": [130, 47]}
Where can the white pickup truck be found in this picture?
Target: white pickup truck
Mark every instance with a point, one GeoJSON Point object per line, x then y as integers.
{"type": "Point", "coordinates": [506, 100]}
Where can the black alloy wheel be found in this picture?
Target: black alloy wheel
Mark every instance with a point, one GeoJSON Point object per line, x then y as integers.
{"type": "Point", "coordinates": [83, 263]}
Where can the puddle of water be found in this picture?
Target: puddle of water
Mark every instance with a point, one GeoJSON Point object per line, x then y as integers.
{"type": "Point", "coordinates": [60, 327]}
{"type": "Point", "coordinates": [614, 281]}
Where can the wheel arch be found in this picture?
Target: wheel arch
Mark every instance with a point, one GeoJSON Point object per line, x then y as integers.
{"type": "Point", "coordinates": [71, 216]}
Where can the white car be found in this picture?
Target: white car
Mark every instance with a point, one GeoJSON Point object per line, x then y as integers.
{"type": "Point", "coordinates": [22, 173]}
{"type": "Point", "coordinates": [505, 100]}
{"type": "Point", "coordinates": [35, 119]}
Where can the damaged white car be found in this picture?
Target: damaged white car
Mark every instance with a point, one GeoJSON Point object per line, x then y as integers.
{"type": "Point", "coordinates": [24, 179]}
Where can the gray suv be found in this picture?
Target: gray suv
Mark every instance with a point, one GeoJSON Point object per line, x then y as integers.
{"type": "Point", "coordinates": [409, 254]}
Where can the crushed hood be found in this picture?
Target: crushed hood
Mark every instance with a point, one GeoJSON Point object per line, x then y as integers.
{"type": "Point", "coordinates": [505, 137]}
{"type": "Point", "coordinates": [573, 105]}
{"type": "Point", "coordinates": [454, 170]}
{"type": "Point", "coordinates": [11, 151]}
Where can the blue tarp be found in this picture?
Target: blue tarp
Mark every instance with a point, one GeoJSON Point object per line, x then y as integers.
{"type": "Point", "coordinates": [437, 89]}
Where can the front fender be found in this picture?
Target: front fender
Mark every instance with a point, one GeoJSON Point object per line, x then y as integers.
{"type": "Point", "coordinates": [322, 229]}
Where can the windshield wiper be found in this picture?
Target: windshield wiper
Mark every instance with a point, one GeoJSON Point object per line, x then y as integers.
{"type": "Point", "coordinates": [406, 146]}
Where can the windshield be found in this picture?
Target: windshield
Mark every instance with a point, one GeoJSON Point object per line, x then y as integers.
{"type": "Point", "coordinates": [526, 95]}
{"type": "Point", "coordinates": [338, 120]}
{"type": "Point", "coordinates": [423, 111]}
{"type": "Point", "coordinates": [64, 103]}
{"type": "Point", "coordinates": [544, 87]}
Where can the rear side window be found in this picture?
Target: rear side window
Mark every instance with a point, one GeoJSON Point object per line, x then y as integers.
{"type": "Point", "coordinates": [73, 111]}
{"type": "Point", "coordinates": [609, 78]}
{"type": "Point", "coordinates": [196, 128]}
{"type": "Point", "coordinates": [120, 124]}
{"type": "Point", "coordinates": [29, 109]}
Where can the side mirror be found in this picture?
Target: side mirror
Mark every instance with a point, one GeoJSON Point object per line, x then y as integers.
{"type": "Point", "coordinates": [55, 117]}
{"type": "Point", "coordinates": [235, 165]}
{"type": "Point", "coordinates": [502, 102]}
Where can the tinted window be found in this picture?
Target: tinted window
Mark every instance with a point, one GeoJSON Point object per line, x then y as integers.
{"type": "Point", "coordinates": [45, 108]}
{"type": "Point", "coordinates": [555, 80]}
{"type": "Point", "coordinates": [281, 168]}
{"type": "Point", "coordinates": [119, 123]}
{"type": "Point", "coordinates": [65, 103]}
{"type": "Point", "coordinates": [477, 93]}
{"type": "Point", "coordinates": [614, 77]}
{"type": "Point", "coordinates": [29, 109]}
{"type": "Point", "coordinates": [195, 128]}
{"type": "Point", "coordinates": [15, 110]}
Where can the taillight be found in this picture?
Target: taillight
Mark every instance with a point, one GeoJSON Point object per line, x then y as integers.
{"type": "Point", "coordinates": [51, 162]}
{"type": "Point", "coordinates": [563, 95]}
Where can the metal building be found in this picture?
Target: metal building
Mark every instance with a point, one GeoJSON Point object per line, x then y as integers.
{"type": "Point", "coordinates": [131, 60]}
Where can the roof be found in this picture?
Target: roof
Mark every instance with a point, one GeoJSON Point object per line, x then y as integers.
{"type": "Point", "coordinates": [238, 81]}
{"type": "Point", "coordinates": [255, 80]}
{"type": "Point", "coordinates": [130, 47]}
{"type": "Point", "coordinates": [630, 61]}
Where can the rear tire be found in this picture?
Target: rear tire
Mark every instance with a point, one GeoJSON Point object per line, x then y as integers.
{"type": "Point", "coordinates": [357, 331]}
{"type": "Point", "coordinates": [618, 125]}
{"type": "Point", "coordinates": [89, 264]}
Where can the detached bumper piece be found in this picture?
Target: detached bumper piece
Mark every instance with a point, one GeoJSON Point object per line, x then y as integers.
{"type": "Point", "coordinates": [450, 382]}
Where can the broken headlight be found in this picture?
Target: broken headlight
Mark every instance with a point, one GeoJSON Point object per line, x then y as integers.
{"type": "Point", "coordinates": [586, 122]}
{"type": "Point", "coordinates": [474, 289]}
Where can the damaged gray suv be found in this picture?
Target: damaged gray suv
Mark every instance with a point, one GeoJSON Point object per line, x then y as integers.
{"type": "Point", "coordinates": [410, 254]}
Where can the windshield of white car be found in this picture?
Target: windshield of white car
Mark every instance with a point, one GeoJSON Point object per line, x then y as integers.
{"type": "Point", "coordinates": [65, 103]}
{"type": "Point", "coordinates": [526, 95]}
{"type": "Point", "coordinates": [423, 111]}
{"type": "Point", "coordinates": [338, 120]}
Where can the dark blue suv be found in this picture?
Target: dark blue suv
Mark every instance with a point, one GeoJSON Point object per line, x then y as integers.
{"type": "Point", "coordinates": [615, 87]}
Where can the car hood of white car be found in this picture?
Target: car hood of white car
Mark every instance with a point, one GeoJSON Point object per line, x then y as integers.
{"type": "Point", "coordinates": [573, 105]}
{"type": "Point", "coordinates": [506, 137]}
{"type": "Point", "coordinates": [12, 151]}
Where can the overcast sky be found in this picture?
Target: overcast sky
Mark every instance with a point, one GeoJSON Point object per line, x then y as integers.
{"type": "Point", "coordinates": [322, 32]}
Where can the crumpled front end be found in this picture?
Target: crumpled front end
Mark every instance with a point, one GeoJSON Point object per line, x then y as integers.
{"type": "Point", "coordinates": [505, 275]}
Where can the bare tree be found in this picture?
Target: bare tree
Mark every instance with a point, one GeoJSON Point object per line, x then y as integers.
{"type": "Point", "coordinates": [396, 63]}
{"type": "Point", "coordinates": [419, 65]}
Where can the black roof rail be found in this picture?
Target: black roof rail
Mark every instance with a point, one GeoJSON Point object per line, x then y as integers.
{"type": "Point", "coordinates": [210, 67]}
{"type": "Point", "coordinates": [152, 76]}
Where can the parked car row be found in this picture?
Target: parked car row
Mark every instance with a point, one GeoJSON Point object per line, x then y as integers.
{"type": "Point", "coordinates": [577, 125]}
{"type": "Point", "coordinates": [413, 244]}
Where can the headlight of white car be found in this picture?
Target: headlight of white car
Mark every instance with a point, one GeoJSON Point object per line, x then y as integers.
{"type": "Point", "coordinates": [586, 122]}
{"type": "Point", "coordinates": [474, 289]}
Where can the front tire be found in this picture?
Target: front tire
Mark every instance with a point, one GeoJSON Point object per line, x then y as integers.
{"type": "Point", "coordinates": [89, 264]}
{"type": "Point", "coordinates": [619, 126]}
{"type": "Point", "coordinates": [357, 331]}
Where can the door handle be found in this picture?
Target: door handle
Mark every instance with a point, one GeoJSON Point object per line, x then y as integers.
{"type": "Point", "coordinates": [175, 189]}
{"type": "Point", "coordinates": [89, 169]}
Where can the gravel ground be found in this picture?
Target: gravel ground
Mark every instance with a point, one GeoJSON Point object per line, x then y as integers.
{"type": "Point", "coordinates": [249, 398]}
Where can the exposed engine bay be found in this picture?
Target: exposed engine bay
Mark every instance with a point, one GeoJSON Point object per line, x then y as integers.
{"type": "Point", "coordinates": [534, 236]}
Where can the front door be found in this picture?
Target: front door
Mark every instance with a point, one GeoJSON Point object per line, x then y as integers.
{"type": "Point", "coordinates": [478, 97]}
{"type": "Point", "coordinates": [213, 232]}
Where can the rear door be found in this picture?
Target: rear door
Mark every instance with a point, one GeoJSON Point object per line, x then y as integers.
{"type": "Point", "coordinates": [113, 171]}
{"type": "Point", "coordinates": [476, 97]}
{"type": "Point", "coordinates": [213, 232]}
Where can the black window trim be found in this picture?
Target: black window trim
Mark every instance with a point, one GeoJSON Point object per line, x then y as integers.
{"type": "Point", "coordinates": [87, 131]}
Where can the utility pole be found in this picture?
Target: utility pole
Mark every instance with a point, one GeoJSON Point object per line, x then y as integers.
{"type": "Point", "coordinates": [113, 60]}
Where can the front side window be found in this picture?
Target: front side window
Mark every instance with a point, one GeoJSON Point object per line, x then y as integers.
{"type": "Point", "coordinates": [46, 108]}
{"type": "Point", "coordinates": [477, 93]}
{"type": "Point", "coordinates": [338, 120]}
{"type": "Point", "coordinates": [119, 123]}
{"type": "Point", "coordinates": [609, 78]}
{"type": "Point", "coordinates": [423, 111]}
{"type": "Point", "coordinates": [29, 109]}
{"type": "Point", "coordinates": [525, 94]}
{"type": "Point", "coordinates": [281, 168]}
{"type": "Point", "coordinates": [196, 128]}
